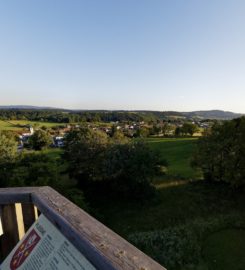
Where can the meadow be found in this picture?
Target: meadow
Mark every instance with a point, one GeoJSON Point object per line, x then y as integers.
{"type": "Point", "coordinates": [9, 126]}
{"type": "Point", "coordinates": [19, 125]}
{"type": "Point", "coordinates": [178, 153]}
{"type": "Point", "coordinates": [190, 224]}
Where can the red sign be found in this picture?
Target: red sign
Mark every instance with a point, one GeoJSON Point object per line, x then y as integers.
{"type": "Point", "coordinates": [24, 250]}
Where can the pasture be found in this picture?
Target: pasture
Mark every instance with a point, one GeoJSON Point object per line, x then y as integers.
{"type": "Point", "coordinates": [9, 126]}
{"type": "Point", "coordinates": [178, 153]}
{"type": "Point", "coordinates": [20, 125]}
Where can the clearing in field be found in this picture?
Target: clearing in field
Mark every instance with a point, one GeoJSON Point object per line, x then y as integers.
{"type": "Point", "coordinates": [178, 153]}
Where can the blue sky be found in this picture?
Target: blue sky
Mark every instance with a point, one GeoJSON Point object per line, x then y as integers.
{"type": "Point", "coordinates": [123, 54]}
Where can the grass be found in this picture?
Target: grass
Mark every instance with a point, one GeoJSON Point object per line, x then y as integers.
{"type": "Point", "coordinates": [54, 153]}
{"type": "Point", "coordinates": [173, 207]}
{"type": "Point", "coordinates": [36, 123]}
{"type": "Point", "coordinates": [18, 125]}
{"type": "Point", "coordinates": [5, 125]}
{"type": "Point", "coordinates": [225, 250]}
{"type": "Point", "coordinates": [178, 153]}
{"type": "Point", "coordinates": [181, 247]}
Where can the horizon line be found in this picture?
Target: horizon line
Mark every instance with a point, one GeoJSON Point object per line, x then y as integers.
{"type": "Point", "coordinates": [18, 106]}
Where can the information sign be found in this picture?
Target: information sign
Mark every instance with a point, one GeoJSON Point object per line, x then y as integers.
{"type": "Point", "coordinates": [45, 248]}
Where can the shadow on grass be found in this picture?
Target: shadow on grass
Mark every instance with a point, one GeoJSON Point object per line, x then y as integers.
{"type": "Point", "coordinates": [224, 250]}
{"type": "Point", "coordinates": [192, 204]}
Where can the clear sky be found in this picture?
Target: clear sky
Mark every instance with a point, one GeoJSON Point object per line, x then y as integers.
{"type": "Point", "coordinates": [123, 54]}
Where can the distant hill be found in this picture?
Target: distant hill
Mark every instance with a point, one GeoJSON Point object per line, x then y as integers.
{"type": "Point", "coordinates": [213, 114]}
{"type": "Point", "coordinates": [26, 107]}
{"type": "Point", "coordinates": [208, 114]}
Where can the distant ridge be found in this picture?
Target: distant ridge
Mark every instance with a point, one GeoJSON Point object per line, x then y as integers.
{"type": "Point", "coordinates": [27, 107]}
{"type": "Point", "coordinates": [202, 114]}
{"type": "Point", "coordinates": [213, 114]}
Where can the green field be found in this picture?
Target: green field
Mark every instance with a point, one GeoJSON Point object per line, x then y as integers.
{"type": "Point", "coordinates": [208, 207]}
{"type": "Point", "coordinates": [178, 153]}
{"type": "Point", "coordinates": [6, 125]}
{"type": "Point", "coordinates": [18, 125]}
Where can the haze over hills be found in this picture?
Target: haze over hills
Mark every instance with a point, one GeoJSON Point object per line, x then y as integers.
{"type": "Point", "coordinates": [202, 114]}
{"type": "Point", "coordinates": [27, 107]}
{"type": "Point", "coordinates": [212, 114]}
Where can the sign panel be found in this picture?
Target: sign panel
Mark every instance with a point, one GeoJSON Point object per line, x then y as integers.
{"type": "Point", "coordinates": [45, 248]}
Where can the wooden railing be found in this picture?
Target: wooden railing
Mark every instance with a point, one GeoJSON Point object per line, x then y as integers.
{"type": "Point", "coordinates": [102, 247]}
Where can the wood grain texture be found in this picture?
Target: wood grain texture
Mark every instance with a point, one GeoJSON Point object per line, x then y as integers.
{"type": "Point", "coordinates": [101, 246]}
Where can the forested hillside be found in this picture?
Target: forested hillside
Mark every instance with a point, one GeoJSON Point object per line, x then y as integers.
{"type": "Point", "coordinates": [71, 116]}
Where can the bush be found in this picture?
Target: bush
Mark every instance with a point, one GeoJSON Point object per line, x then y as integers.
{"type": "Point", "coordinates": [221, 153]}
{"type": "Point", "coordinates": [40, 140]}
{"type": "Point", "coordinates": [129, 169]}
{"type": "Point", "coordinates": [181, 246]}
{"type": "Point", "coordinates": [110, 167]}
{"type": "Point", "coordinates": [33, 170]}
{"type": "Point", "coordinates": [76, 196]}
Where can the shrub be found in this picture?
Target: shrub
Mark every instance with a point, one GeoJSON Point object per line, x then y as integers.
{"type": "Point", "coordinates": [181, 246]}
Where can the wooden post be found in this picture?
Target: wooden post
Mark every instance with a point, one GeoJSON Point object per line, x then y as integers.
{"type": "Point", "coordinates": [30, 215]}
{"type": "Point", "coordinates": [13, 227]}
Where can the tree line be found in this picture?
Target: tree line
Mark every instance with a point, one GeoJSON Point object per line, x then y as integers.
{"type": "Point", "coordinates": [69, 116]}
{"type": "Point", "coordinates": [221, 153]}
{"type": "Point", "coordinates": [59, 116]}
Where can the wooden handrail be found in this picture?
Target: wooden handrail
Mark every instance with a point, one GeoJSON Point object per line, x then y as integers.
{"type": "Point", "coordinates": [105, 249]}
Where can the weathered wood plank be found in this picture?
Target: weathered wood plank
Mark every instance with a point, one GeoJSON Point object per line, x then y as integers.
{"type": "Point", "coordinates": [16, 195]}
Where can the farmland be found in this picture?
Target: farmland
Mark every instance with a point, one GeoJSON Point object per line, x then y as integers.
{"type": "Point", "coordinates": [178, 153]}
{"type": "Point", "coordinates": [19, 125]}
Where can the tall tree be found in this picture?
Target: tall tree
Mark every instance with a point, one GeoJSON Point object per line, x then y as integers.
{"type": "Point", "coordinates": [130, 168]}
{"type": "Point", "coordinates": [110, 167]}
{"type": "Point", "coordinates": [40, 139]}
{"type": "Point", "coordinates": [8, 147]}
{"type": "Point", "coordinates": [84, 150]}
{"type": "Point", "coordinates": [188, 128]}
{"type": "Point", "coordinates": [221, 153]}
